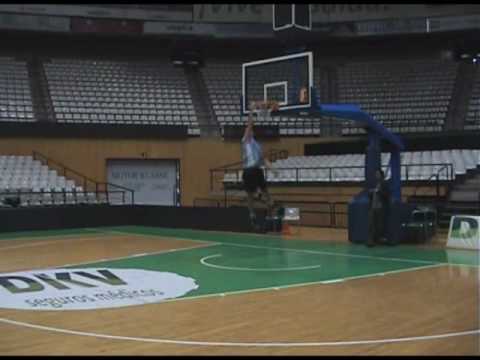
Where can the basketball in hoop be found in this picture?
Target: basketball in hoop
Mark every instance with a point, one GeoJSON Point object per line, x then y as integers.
{"type": "Point", "coordinates": [274, 106]}
{"type": "Point", "coordinates": [303, 95]}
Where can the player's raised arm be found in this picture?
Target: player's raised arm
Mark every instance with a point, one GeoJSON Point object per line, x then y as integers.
{"type": "Point", "coordinates": [249, 127]}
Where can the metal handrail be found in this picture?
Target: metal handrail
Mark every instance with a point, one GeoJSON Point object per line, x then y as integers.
{"type": "Point", "coordinates": [85, 179]}
{"type": "Point", "coordinates": [449, 171]}
{"type": "Point", "coordinates": [332, 211]}
{"type": "Point", "coordinates": [330, 169]}
{"type": "Point", "coordinates": [47, 161]}
{"type": "Point", "coordinates": [403, 125]}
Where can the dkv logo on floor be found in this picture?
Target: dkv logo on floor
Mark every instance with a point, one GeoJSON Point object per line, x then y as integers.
{"type": "Point", "coordinates": [90, 288]}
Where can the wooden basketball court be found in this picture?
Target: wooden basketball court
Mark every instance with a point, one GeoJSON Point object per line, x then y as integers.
{"type": "Point", "coordinates": [310, 293]}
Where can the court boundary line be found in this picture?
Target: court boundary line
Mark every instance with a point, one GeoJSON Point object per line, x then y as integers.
{"type": "Point", "coordinates": [75, 232]}
{"type": "Point", "coordinates": [307, 251]}
{"type": "Point", "coordinates": [270, 288]}
{"type": "Point", "coordinates": [123, 233]}
{"type": "Point", "coordinates": [117, 258]}
{"type": "Point", "coordinates": [51, 238]}
{"type": "Point", "coordinates": [46, 242]}
{"type": "Point", "coordinates": [248, 344]}
{"type": "Point", "coordinates": [309, 283]}
{"type": "Point", "coordinates": [239, 344]}
{"type": "Point", "coordinates": [207, 243]}
{"type": "Point", "coordinates": [139, 255]}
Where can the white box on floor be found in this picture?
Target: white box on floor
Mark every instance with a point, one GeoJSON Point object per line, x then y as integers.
{"type": "Point", "coordinates": [464, 232]}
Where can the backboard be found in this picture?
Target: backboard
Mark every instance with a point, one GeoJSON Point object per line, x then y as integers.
{"type": "Point", "coordinates": [287, 16]}
{"type": "Point", "coordinates": [286, 79]}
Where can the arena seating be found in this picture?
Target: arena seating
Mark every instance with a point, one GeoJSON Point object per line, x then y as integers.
{"type": "Point", "coordinates": [37, 184]}
{"type": "Point", "coordinates": [133, 92]}
{"type": "Point", "coordinates": [334, 168]}
{"type": "Point", "coordinates": [15, 95]}
{"type": "Point", "coordinates": [406, 95]}
{"type": "Point", "coordinates": [472, 121]}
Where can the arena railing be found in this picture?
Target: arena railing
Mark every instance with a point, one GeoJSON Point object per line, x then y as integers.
{"type": "Point", "coordinates": [88, 184]}
{"type": "Point", "coordinates": [313, 212]}
{"type": "Point", "coordinates": [305, 126]}
{"type": "Point", "coordinates": [24, 198]}
{"type": "Point", "coordinates": [218, 175]}
{"type": "Point", "coordinates": [447, 169]}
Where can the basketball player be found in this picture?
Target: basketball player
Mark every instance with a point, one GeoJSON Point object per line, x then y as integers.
{"type": "Point", "coordinates": [253, 160]}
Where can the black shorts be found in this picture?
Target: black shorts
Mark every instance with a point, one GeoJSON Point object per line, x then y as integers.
{"type": "Point", "coordinates": [253, 179]}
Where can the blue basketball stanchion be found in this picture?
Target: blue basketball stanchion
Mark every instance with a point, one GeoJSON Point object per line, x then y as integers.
{"type": "Point", "coordinates": [376, 132]}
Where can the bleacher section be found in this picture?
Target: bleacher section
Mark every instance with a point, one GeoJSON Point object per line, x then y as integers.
{"type": "Point", "coordinates": [224, 83]}
{"type": "Point", "coordinates": [15, 95]}
{"type": "Point", "coordinates": [93, 91]}
{"type": "Point", "coordinates": [416, 166]}
{"type": "Point", "coordinates": [472, 120]}
{"type": "Point", "coordinates": [37, 184]}
{"type": "Point", "coordinates": [406, 96]}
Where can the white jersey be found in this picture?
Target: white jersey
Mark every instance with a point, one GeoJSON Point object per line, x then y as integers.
{"type": "Point", "coordinates": [252, 155]}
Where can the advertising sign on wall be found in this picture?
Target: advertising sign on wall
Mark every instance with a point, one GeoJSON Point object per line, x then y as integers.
{"type": "Point", "coordinates": [34, 23]}
{"type": "Point", "coordinates": [154, 181]}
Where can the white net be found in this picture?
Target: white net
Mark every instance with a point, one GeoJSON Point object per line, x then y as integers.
{"type": "Point", "coordinates": [264, 115]}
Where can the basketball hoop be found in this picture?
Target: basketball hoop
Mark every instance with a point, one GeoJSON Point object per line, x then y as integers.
{"type": "Point", "coordinates": [264, 114]}
{"type": "Point", "coordinates": [274, 106]}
